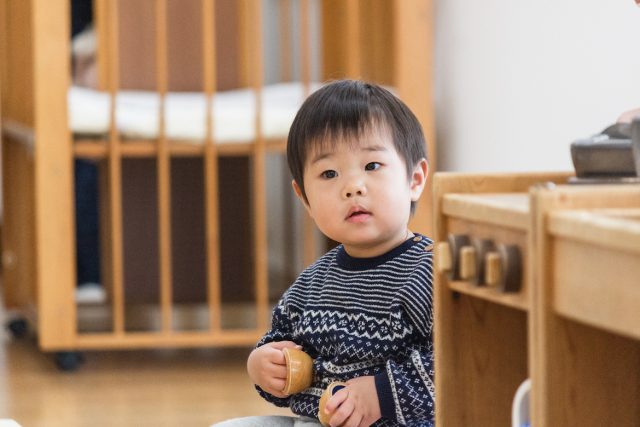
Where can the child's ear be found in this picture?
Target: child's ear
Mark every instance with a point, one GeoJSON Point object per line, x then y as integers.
{"type": "Point", "coordinates": [298, 191]}
{"type": "Point", "coordinates": [419, 179]}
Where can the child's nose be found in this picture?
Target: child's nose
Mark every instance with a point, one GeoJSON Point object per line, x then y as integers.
{"type": "Point", "coordinates": [354, 188]}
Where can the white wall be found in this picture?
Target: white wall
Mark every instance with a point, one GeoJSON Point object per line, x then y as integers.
{"type": "Point", "coordinates": [518, 81]}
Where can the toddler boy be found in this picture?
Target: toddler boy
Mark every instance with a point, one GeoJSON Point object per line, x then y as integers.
{"type": "Point", "coordinates": [363, 311]}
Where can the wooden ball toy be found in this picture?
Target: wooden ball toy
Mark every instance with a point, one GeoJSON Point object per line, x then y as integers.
{"type": "Point", "coordinates": [332, 389]}
{"type": "Point", "coordinates": [299, 370]}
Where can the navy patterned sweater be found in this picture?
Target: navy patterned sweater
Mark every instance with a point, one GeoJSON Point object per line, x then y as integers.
{"type": "Point", "coordinates": [365, 316]}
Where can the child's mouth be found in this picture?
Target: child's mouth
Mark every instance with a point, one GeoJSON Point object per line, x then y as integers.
{"type": "Point", "coordinates": [358, 216]}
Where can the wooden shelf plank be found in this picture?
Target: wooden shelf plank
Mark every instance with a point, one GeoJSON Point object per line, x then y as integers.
{"type": "Point", "coordinates": [614, 229]}
{"type": "Point", "coordinates": [517, 300]}
{"type": "Point", "coordinates": [598, 283]}
{"type": "Point", "coordinates": [503, 209]}
{"type": "Point", "coordinates": [97, 149]}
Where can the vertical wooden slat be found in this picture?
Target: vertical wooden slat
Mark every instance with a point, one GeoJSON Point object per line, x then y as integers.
{"type": "Point", "coordinates": [101, 24]}
{"type": "Point", "coordinates": [115, 171]}
{"type": "Point", "coordinates": [3, 55]}
{"type": "Point", "coordinates": [305, 48]}
{"type": "Point", "coordinates": [17, 81]}
{"type": "Point", "coordinates": [353, 39]}
{"type": "Point", "coordinates": [18, 221]}
{"type": "Point", "coordinates": [284, 13]}
{"type": "Point", "coordinates": [259, 187]}
{"type": "Point", "coordinates": [211, 166]}
{"type": "Point", "coordinates": [308, 226]}
{"type": "Point", "coordinates": [104, 221]}
{"type": "Point", "coordinates": [413, 79]}
{"type": "Point", "coordinates": [163, 168]}
{"type": "Point", "coordinates": [102, 28]}
{"type": "Point", "coordinates": [18, 68]}
{"type": "Point", "coordinates": [284, 7]}
{"type": "Point", "coordinates": [53, 176]}
{"type": "Point", "coordinates": [244, 32]}
{"type": "Point", "coordinates": [334, 51]}
{"type": "Point", "coordinates": [377, 42]}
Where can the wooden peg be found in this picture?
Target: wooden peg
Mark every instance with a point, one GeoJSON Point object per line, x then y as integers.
{"type": "Point", "coordinates": [492, 269]}
{"type": "Point", "coordinates": [511, 268]}
{"type": "Point", "coordinates": [456, 242]}
{"type": "Point", "coordinates": [443, 257]}
{"type": "Point", "coordinates": [467, 262]}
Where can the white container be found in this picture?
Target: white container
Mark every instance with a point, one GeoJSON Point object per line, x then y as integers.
{"type": "Point", "coordinates": [520, 409]}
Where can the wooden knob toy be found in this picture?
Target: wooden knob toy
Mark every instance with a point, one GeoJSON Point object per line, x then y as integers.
{"type": "Point", "coordinates": [467, 262]}
{"type": "Point", "coordinates": [332, 389]}
{"type": "Point", "coordinates": [503, 268]}
{"type": "Point", "coordinates": [492, 269]}
{"type": "Point", "coordinates": [456, 243]}
{"type": "Point", "coordinates": [511, 268]}
{"type": "Point", "coordinates": [483, 248]}
{"type": "Point", "coordinates": [443, 257]}
{"type": "Point", "coordinates": [299, 370]}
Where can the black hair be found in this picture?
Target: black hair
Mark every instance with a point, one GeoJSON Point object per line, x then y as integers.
{"type": "Point", "coordinates": [345, 110]}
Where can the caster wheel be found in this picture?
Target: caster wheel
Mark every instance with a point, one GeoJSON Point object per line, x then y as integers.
{"type": "Point", "coordinates": [68, 361]}
{"type": "Point", "coordinates": [18, 328]}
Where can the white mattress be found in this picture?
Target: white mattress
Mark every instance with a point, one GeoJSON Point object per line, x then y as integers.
{"type": "Point", "coordinates": [137, 113]}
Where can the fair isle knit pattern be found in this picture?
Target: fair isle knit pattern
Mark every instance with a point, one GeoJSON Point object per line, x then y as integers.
{"type": "Point", "coordinates": [360, 317]}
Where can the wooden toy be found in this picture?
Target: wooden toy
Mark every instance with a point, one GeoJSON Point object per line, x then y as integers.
{"type": "Point", "coordinates": [333, 388]}
{"type": "Point", "coordinates": [299, 370]}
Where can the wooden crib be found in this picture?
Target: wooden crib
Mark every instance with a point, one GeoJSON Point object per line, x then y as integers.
{"type": "Point", "coordinates": [386, 41]}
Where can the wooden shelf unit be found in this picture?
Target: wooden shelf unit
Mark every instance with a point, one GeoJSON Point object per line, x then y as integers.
{"type": "Point", "coordinates": [586, 363]}
{"type": "Point", "coordinates": [481, 335]}
{"type": "Point", "coordinates": [573, 328]}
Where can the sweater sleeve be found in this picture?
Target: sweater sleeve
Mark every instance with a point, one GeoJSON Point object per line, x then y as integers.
{"type": "Point", "coordinates": [406, 389]}
{"type": "Point", "coordinates": [280, 331]}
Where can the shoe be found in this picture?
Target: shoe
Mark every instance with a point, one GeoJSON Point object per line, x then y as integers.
{"type": "Point", "coordinates": [90, 293]}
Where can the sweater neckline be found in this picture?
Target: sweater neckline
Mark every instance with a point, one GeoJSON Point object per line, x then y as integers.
{"type": "Point", "coordinates": [348, 262]}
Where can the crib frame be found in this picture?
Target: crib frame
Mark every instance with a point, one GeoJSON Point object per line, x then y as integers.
{"type": "Point", "coordinates": [38, 152]}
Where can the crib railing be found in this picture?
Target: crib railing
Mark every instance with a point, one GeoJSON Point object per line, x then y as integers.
{"type": "Point", "coordinates": [398, 54]}
{"type": "Point", "coordinates": [252, 15]}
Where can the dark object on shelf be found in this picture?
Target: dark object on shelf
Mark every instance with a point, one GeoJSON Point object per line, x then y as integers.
{"type": "Point", "coordinates": [635, 141]}
{"type": "Point", "coordinates": [607, 157]}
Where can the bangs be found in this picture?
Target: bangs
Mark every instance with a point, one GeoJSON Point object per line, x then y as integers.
{"type": "Point", "coordinates": [352, 137]}
{"type": "Point", "coordinates": [334, 116]}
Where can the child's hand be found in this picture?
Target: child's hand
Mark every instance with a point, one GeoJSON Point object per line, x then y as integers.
{"type": "Point", "coordinates": [355, 405]}
{"type": "Point", "coordinates": [267, 367]}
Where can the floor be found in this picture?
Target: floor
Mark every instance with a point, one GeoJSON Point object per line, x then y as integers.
{"type": "Point", "coordinates": [128, 388]}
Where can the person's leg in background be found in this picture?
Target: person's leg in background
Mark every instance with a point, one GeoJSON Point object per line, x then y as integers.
{"type": "Point", "coordinates": [87, 232]}
{"type": "Point", "coordinates": [86, 186]}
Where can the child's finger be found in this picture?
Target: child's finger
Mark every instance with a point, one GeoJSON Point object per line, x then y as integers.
{"type": "Point", "coordinates": [342, 413]}
{"type": "Point", "coordinates": [278, 385]}
{"type": "Point", "coordinates": [277, 371]}
{"type": "Point", "coordinates": [284, 344]}
{"type": "Point", "coordinates": [336, 400]}
{"type": "Point", "coordinates": [276, 356]}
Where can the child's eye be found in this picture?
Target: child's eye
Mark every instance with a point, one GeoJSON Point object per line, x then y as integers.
{"type": "Point", "coordinates": [328, 174]}
{"type": "Point", "coordinates": [372, 166]}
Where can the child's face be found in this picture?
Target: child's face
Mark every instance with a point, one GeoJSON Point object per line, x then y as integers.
{"type": "Point", "coordinates": [359, 193]}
